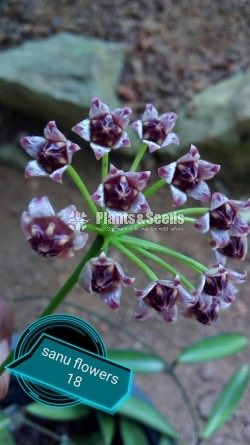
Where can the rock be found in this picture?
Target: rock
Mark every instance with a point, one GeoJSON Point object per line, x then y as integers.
{"type": "Point", "coordinates": [56, 77]}
{"type": "Point", "coordinates": [218, 122]}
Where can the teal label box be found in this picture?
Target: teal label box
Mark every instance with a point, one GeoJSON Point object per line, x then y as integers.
{"type": "Point", "coordinates": [87, 377]}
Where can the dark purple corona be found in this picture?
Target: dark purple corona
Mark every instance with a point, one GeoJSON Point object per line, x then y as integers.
{"type": "Point", "coordinates": [50, 236]}
{"type": "Point", "coordinates": [154, 131]}
{"type": "Point", "coordinates": [104, 131]}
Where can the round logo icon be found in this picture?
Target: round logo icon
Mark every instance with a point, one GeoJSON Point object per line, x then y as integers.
{"type": "Point", "coordinates": [64, 327]}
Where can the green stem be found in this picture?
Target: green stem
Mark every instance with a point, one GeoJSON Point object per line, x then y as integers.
{"type": "Point", "coordinates": [138, 157]}
{"type": "Point", "coordinates": [154, 187]}
{"type": "Point", "coordinates": [67, 287]}
{"type": "Point", "coordinates": [165, 265]}
{"type": "Point", "coordinates": [197, 266]}
{"type": "Point", "coordinates": [151, 275]}
{"type": "Point", "coordinates": [199, 211]}
{"type": "Point", "coordinates": [105, 165]}
{"type": "Point", "coordinates": [82, 188]}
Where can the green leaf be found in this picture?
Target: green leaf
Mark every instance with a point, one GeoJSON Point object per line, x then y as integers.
{"type": "Point", "coordinates": [165, 441]}
{"type": "Point", "coordinates": [132, 433]}
{"type": "Point", "coordinates": [213, 348]}
{"type": "Point", "coordinates": [59, 414]}
{"type": "Point", "coordinates": [141, 411]}
{"type": "Point", "coordinates": [228, 401]}
{"type": "Point", "coordinates": [6, 437]}
{"type": "Point", "coordinates": [107, 427]}
{"type": "Point", "coordinates": [141, 362]}
{"type": "Point", "coordinates": [89, 439]}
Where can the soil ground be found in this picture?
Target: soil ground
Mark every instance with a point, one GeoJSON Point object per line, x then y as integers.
{"type": "Point", "coordinates": [173, 50]}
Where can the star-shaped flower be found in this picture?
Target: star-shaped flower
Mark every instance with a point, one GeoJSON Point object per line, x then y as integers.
{"type": "Point", "coordinates": [187, 177]}
{"type": "Point", "coordinates": [163, 297]}
{"type": "Point", "coordinates": [52, 153]}
{"type": "Point", "coordinates": [155, 130]}
{"type": "Point", "coordinates": [104, 276]}
{"type": "Point", "coordinates": [121, 191]}
{"type": "Point", "coordinates": [105, 129]}
{"type": "Point", "coordinates": [49, 234]}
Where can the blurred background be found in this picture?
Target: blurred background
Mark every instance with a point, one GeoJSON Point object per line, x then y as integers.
{"type": "Point", "coordinates": [187, 56]}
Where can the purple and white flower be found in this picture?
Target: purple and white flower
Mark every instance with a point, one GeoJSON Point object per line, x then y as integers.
{"type": "Point", "coordinates": [104, 276]}
{"type": "Point", "coordinates": [105, 129]}
{"type": "Point", "coordinates": [224, 219]}
{"type": "Point", "coordinates": [162, 296]}
{"type": "Point", "coordinates": [187, 176]}
{"type": "Point", "coordinates": [216, 291]}
{"type": "Point", "coordinates": [219, 282]}
{"type": "Point", "coordinates": [121, 191]}
{"type": "Point", "coordinates": [235, 248]}
{"type": "Point", "coordinates": [52, 153]}
{"type": "Point", "coordinates": [49, 234]}
{"type": "Point", "coordinates": [155, 130]}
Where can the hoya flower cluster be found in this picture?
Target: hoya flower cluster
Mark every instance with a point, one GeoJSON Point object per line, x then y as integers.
{"type": "Point", "coordinates": [123, 192]}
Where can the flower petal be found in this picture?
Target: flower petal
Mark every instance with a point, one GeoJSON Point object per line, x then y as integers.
{"type": "Point", "coordinates": [52, 133]}
{"type": "Point", "coordinates": [33, 168]}
{"type": "Point", "coordinates": [142, 293]}
{"type": "Point", "coordinates": [137, 126]}
{"type": "Point", "coordinates": [186, 297]}
{"type": "Point", "coordinates": [99, 151]}
{"type": "Point", "coordinates": [80, 241]}
{"type": "Point", "coordinates": [85, 278]}
{"type": "Point", "coordinates": [39, 207]}
{"type": "Point", "coordinates": [98, 108]}
{"type": "Point", "coordinates": [200, 192]}
{"type": "Point", "coordinates": [240, 205]}
{"type": "Point", "coordinates": [240, 227]}
{"type": "Point", "coordinates": [122, 116]}
{"type": "Point", "coordinates": [149, 113]}
{"type": "Point", "coordinates": [83, 129]}
{"type": "Point", "coordinates": [123, 141]}
{"type": "Point", "coordinates": [192, 155]}
{"type": "Point", "coordinates": [32, 144]}
{"type": "Point", "coordinates": [57, 174]}
{"type": "Point", "coordinates": [71, 148]}
{"type": "Point", "coordinates": [112, 298]}
{"type": "Point", "coordinates": [170, 314]}
{"type": "Point", "coordinates": [138, 179]}
{"type": "Point", "coordinates": [179, 197]}
{"type": "Point", "coordinates": [25, 224]}
{"type": "Point", "coordinates": [142, 311]}
{"type": "Point", "coordinates": [237, 277]}
{"type": "Point", "coordinates": [208, 170]}
{"type": "Point", "coordinates": [140, 204]}
{"type": "Point", "coordinates": [152, 146]}
{"type": "Point", "coordinates": [126, 281]}
{"type": "Point", "coordinates": [171, 138]}
{"type": "Point", "coordinates": [168, 120]}
{"type": "Point", "coordinates": [167, 172]}
{"type": "Point", "coordinates": [221, 237]}
{"type": "Point", "coordinates": [67, 214]}
{"type": "Point", "coordinates": [202, 224]}
{"type": "Point", "coordinates": [98, 196]}
{"type": "Point", "coordinates": [217, 199]}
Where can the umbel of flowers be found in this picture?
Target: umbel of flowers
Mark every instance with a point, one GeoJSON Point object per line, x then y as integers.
{"type": "Point", "coordinates": [122, 193]}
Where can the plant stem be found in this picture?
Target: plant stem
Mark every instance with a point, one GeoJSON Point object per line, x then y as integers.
{"type": "Point", "coordinates": [66, 288]}
{"type": "Point", "coordinates": [105, 165]}
{"type": "Point", "coordinates": [151, 275]}
{"type": "Point", "coordinates": [154, 187]}
{"type": "Point", "coordinates": [165, 265]}
{"type": "Point", "coordinates": [82, 188]}
{"type": "Point", "coordinates": [190, 211]}
{"type": "Point", "coordinates": [138, 157]}
{"type": "Point", "coordinates": [197, 266]}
